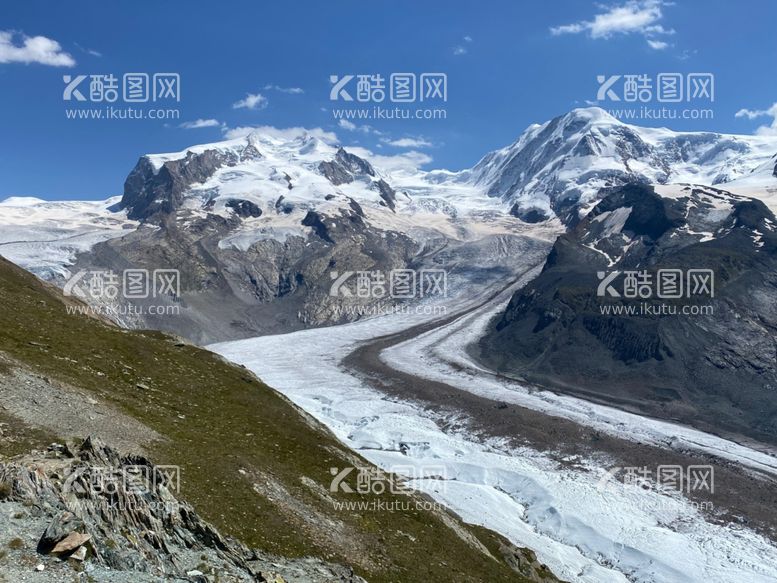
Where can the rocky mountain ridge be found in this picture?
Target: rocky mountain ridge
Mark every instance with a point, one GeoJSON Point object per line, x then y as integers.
{"type": "Point", "coordinates": [597, 323]}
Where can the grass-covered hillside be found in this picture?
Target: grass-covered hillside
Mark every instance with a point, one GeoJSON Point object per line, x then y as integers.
{"type": "Point", "coordinates": [251, 463]}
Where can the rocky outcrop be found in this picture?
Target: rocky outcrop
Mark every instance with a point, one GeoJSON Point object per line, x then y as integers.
{"type": "Point", "coordinates": [117, 518]}
{"type": "Point", "coordinates": [528, 215]}
{"type": "Point", "coordinates": [269, 285]}
{"type": "Point", "coordinates": [149, 190]}
{"type": "Point", "coordinates": [335, 173]}
{"type": "Point", "coordinates": [387, 194]}
{"type": "Point", "coordinates": [345, 168]}
{"type": "Point", "coordinates": [244, 208]}
{"type": "Point", "coordinates": [353, 163]}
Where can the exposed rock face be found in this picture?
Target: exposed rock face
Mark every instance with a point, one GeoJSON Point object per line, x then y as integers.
{"type": "Point", "coordinates": [148, 190]}
{"type": "Point", "coordinates": [714, 370]}
{"type": "Point", "coordinates": [244, 208]}
{"type": "Point", "coordinates": [528, 215]}
{"type": "Point", "coordinates": [353, 163]}
{"type": "Point", "coordinates": [119, 514]}
{"type": "Point", "coordinates": [387, 194]}
{"type": "Point", "coordinates": [335, 173]}
{"type": "Point", "coordinates": [345, 167]}
{"type": "Point", "coordinates": [267, 286]}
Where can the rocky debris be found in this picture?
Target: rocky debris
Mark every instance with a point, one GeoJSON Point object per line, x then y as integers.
{"type": "Point", "coordinates": [117, 516]}
{"type": "Point", "coordinates": [71, 543]}
{"type": "Point", "coordinates": [524, 561]}
{"type": "Point", "coordinates": [63, 535]}
{"type": "Point", "coordinates": [67, 411]}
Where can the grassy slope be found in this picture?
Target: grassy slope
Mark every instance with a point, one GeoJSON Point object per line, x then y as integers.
{"type": "Point", "coordinates": [231, 422]}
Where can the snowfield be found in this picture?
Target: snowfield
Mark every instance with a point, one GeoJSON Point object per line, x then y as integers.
{"type": "Point", "coordinates": [621, 533]}
{"type": "Point", "coordinates": [45, 237]}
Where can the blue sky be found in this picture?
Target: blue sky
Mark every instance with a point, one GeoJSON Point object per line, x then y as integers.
{"type": "Point", "coordinates": [508, 64]}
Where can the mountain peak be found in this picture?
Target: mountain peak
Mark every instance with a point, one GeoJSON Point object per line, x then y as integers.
{"type": "Point", "coordinates": [561, 166]}
{"type": "Point", "coordinates": [592, 114]}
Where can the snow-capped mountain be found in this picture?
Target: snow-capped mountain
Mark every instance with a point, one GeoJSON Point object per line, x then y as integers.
{"type": "Point", "coordinates": [554, 169]}
{"type": "Point", "coordinates": [559, 167]}
{"type": "Point", "coordinates": [267, 218]}
{"type": "Point", "coordinates": [260, 228]}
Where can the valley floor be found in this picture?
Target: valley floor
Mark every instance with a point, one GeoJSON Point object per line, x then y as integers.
{"type": "Point", "coordinates": [530, 464]}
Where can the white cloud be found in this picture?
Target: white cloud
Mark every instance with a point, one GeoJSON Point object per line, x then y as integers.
{"type": "Point", "coordinates": [409, 161]}
{"type": "Point", "coordinates": [33, 49]}
{"type": "Point", "coordinates": [658, 45]}
{"type": "Point", "coordinates": [461, 49]}
{"type": "Point", "coordinates": [285, 134]}
{"type": "Point", "coordinates": [767, 130]}
{"type": "Point", "coordinates": [417, 142]}
{"type": "Point", "coordinates": [89, 51]}
{"type": "Point", "coordinates": [686, 54]}
{"type": "Point", "coordinates": [251, 101]}
{"type": "Point", "coordinates": [199, 123]}
{"type": "Point", "coordinates": [292, 90]}
{"type": "Point", "coordinates": [364, 128]}
{"type": "Point", "coordinates": [633, 17]}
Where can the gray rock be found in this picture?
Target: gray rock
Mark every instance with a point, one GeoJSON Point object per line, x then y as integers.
{"type": "Point", "coordinates": [63, 526]}
{"type": "Point", "coordinates": [148, 192]}
{"type": "Point", "coordinates": [138, 534]}
{"type": "Point", "coordinates": [713, 370]}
